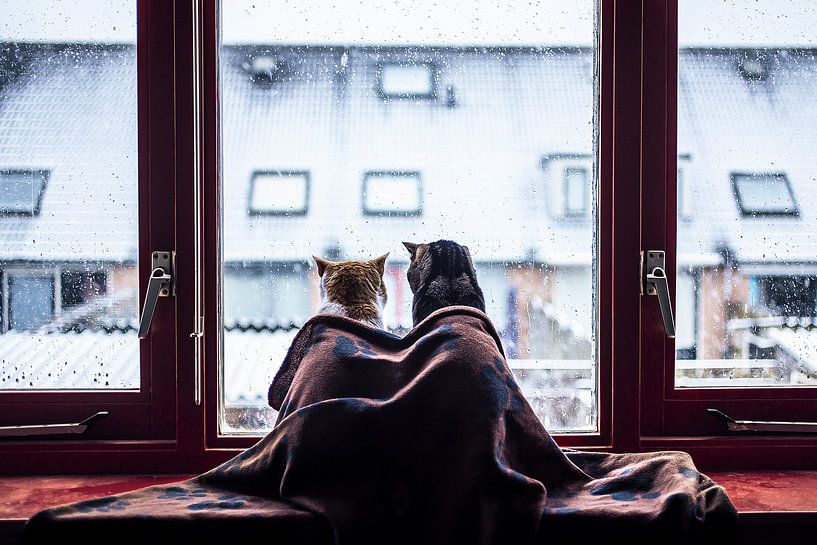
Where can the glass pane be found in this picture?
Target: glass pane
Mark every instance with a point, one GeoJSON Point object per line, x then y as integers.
{"type": "Point", "coordinates": [747, 222]}
{"type": "Point", "coordinates": [68, 195]}
{"type": "Point", "coordinates": [439, 121]}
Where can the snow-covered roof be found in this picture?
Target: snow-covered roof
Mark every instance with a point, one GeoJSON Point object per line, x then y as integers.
{"type": "Point", "coordinates": [99, 360]}
{"type": "Point", "coordinates": [71, 111]}
{"type": "Point", "coordinates": [728, 124]}
{"type": "Point", "coordinates": [482, 155]}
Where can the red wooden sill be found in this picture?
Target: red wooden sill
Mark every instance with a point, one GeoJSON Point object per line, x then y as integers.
{"type": "Point", "coordinates": [774, 506]}
{"type": "Point", "coordinates": [21, 497]}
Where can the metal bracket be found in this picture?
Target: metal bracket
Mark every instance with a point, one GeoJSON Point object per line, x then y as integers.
{"type": "Point", "coordinates": [654, 282]}
{"type": "Point", "coordinates": [161, 284]}
{"type": "Point", "coordinates": [52, 429]}
{"type": "Point", "coordinates": [760, 426]}
{"type": "Point", "coordinates": [166, 261]}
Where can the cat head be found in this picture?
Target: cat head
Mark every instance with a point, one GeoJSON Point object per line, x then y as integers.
{"type": "Point", "coordinates": [428, 259]}
{"type": "Point", "coordinates": [353, 283]}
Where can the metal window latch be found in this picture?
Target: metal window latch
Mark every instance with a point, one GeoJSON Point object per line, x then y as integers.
{"type": "Point", "coordinates": [162, 283]}
{"type": "Point", "coordinates": [761, 426]}
{"type": "Point", "coordinates": [654, 282]}
{"type": "Point", "coordinates": [52, 429]}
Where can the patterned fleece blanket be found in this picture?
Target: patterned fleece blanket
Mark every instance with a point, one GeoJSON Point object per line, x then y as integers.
{"type": "Point", "coordinates": [424, 439]}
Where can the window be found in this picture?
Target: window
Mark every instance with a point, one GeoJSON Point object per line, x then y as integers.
{"type": "Point", "coordinates": [21, 191]}
{"type": "Point", "coordinates": [568, 184]}
{"type": "Point", "coordinates": [79, 224]}
{"type": "Point", "coordinates": [385, 171]}
{"type": "Point", "coordinates": [764, 195]}
{"type": "Point", "coordinates": [788, 296]}
{"type": "Point", "coordinates": [575, 191]}
{"type": "Point", "coordinates": [392, 193]}
{"type": "Point", "coordinates": [740, 283]}
{"type": "Point", "coordinates": [79, 287]}
{"type": "Point", "coordinates": [279, 193]}
{"type": "Point", "coordinates": [600, 88]}
{"type": "Point", "coordinates": [405, 80]}
{"type": "Point", "coordinates": [30, 300]}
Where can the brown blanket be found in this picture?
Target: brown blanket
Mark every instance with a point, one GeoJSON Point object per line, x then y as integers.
{"type": "Point", "coordinates": [425, 439]}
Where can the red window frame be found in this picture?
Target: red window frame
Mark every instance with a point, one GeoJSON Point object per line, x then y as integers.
{"type": "Point", "coordinates": [603, 439]}
{"type": "Point", "coordinates": [636, 133]}
{"type": "Point", "coordinates": [677, 418]}
{"type": "Point", "coordinates": [149, 429]}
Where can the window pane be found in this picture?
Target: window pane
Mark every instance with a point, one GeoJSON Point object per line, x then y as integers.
{"type": "Point", "coordinates": [747, 237]}
{"type": "Point", "coordinates": [440, 121]}
{"type": "Point", "coordinates": [68, 195]}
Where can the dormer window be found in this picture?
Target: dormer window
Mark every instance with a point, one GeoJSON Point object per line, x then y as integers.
{"type": "Point", "coordinates": [576, 183]}
{"type": "Point", "coordinates": [21, 191]}
{"type": "Point", "coordinates": [568, 179]}
{"type": "Point", "coordinates": [764, 194]}
{"type": "Point", "coordinates": [279, 193]}
{"type": "Point", "coordinates": [392, 194]}
{"type": "Point", "coordinates": [407, 80]}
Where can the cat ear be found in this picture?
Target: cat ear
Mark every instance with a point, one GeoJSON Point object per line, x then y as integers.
{"type": "Point", "coordinates": [411, 247]}
{"type": "Point", "coordinates": [380, 263]}
{"type": "Point", "coordinates": [322, 264]}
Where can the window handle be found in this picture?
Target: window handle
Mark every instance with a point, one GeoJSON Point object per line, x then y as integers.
{"type": "Point", "coordinates": [655, 283]}
{"type": "Point", "coordinates": [160, 284]}
{"type": "Point", "coordinates": [762, 425]}
{"type": "Point", "coordinates": [52, 429]}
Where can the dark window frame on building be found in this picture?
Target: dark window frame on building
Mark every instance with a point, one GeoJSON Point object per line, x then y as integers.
{"type": "Point", "coordinates": [34, 209]}
{"type": "Point", "coordinates": [370, 174]}
{"type": "Point", "coordinates": [738, 178]}
{"type": "Point", "coordinates": [74, 281]}
{"type": "Point", "coordinates": [782, 293]}
{"type": "Point", "coordinates": [252, 211]}
{"type": "Point", "coordinates": [433, 81]}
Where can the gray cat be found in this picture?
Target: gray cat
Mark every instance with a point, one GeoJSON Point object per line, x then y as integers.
{"type": "Point", "coordinates": [441, 274]}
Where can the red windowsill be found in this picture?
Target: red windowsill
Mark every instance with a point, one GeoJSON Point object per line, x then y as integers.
{"type": "Point", "coordinates": [774, 506]}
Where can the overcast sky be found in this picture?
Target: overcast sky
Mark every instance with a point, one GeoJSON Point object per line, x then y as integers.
{"type": "Point", "coordinates": [416, 22]}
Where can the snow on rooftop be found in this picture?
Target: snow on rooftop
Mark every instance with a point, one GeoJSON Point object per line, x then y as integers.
{"type": "Point", "coordinates": [94, 360]}
{"type": "Point", "coordinates": [479, 159]}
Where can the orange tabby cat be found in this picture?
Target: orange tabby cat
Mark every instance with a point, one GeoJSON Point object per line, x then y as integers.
{"type": "Point", "coordinates": [354, 289]}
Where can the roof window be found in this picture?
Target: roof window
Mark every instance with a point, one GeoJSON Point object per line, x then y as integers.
{"type": "Point", "coordinates": [392, 194]}
{"type": "Point", "coordinates": [21, 191]}
{"type": "Point", "coordinates": [400, 80]}
{"type": "Point", "coordinates": [281, 193]}
{"type": "Point", "coordinates": [764, 194]}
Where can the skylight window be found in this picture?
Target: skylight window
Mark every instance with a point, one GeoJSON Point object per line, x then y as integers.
{"type": "Point", "coordinates": [279, 193]}
{"type": "Point", "coordinates": [399, 80]}
{"type": "Point", "coordinates": [392, 193]}
{"type": "Point", "coordinates": [21, 191]}
{"type": "Point", "coordinates": [764, 194]}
